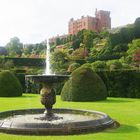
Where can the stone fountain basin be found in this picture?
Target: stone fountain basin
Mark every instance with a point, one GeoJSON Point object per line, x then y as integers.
{"type": "Point", "coordinates": [48, 78]}
{"type": "Point", "coordinates": [73, 122]}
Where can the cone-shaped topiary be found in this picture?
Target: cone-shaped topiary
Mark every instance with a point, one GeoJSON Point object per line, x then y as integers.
{"type": "Point", "coordinates": [9, 85]}
{"type": "Point", "coordinates": [84, 85]}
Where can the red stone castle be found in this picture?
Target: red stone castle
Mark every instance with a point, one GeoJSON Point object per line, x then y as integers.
{"type": "Point", "coordinates": [100, 21]}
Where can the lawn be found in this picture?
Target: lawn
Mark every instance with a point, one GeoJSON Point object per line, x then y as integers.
{"type": "Point", "coordinates": [126, 111]}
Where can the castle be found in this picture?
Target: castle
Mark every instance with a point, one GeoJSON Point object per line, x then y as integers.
{"type": "Point", "coordinates": [100, 21]}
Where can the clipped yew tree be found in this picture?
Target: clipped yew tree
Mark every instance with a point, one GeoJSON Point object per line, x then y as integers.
{"type": "Point", "coordinates": [9, 85]}
{"type": "Point", "coordinates": [84, 85]}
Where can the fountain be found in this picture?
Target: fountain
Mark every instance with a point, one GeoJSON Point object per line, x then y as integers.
{"type": "Point", "coordinates": [53, 121]}
{"type": "Point", "coordinates": [48, 97]}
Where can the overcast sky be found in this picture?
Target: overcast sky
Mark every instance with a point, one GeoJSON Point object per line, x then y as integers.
{"type": "Point", "coordinates": [36, 20]}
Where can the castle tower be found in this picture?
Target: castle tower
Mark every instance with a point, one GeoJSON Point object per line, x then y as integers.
{"type": "Point", "coordinates": [104, 20]}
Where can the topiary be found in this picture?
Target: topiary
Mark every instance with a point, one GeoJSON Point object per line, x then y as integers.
{"type": "Point", "coordinates": [84, 85]}
{"type": "Point", "coordinates": [9, 85]}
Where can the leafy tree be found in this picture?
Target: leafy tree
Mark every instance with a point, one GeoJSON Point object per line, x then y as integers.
{"type": "Point", "coordinates": [104, 34]}
{"type": "Point", "coordinates": [59, 61]}
{"type": "Point", "coordinates": [88, 38]}
{"type": "Point", "coordinates": [123, 35]}
{"type": "Point", "coordinates": [80, 35]}
{"type": "Point", "coordinates": [14, 47]}
{"type": "Point", "coordinates": [132, 51]}
{"type": "Point", "coordinates": [137, 21]}
{"type": "Point", "coordinates": [79, 53]}
{"type": "Point", "coordinates": [76, 43]}
{"type": "Point", "coordinates": [137, 28]}
{"type": "Point", "coordinates": [58, 41]}
{"type": "Point", "coordinates": [28, 50]}
{"type": "Point", "coordinates": [69, 38]}
{"type": "Point", "coordinates": [133, 47]}
{"type": "Point", "coordinates": [3, 51]}
{"type": "Point", "coordinates": [127, 33]}
{"type": "Point", "coordinates": [115, 38]}
{"type": "Point", "coordinates": [120, 48]}
{"type": "Point", "coordinates": [34, 49]}
{"type": "Point", "coordinates": [84, 37]}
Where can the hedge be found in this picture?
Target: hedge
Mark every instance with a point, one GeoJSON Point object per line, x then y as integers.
{"type": "Point", "coordinates": [21, 78]}
{"type": "Point", "coordinates": [119, 83]}
{"type": "Point", "coordinates": [27, 86]}
{"type": "Point", "coordinates": [38, 62]}
{"type": "Point", "coordinates": [122, 83]}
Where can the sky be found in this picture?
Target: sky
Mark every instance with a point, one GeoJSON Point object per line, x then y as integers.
{"type": "Point", "coordinates": [34, 21]}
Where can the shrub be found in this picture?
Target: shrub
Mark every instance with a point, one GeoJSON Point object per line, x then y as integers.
{"type": "Point", "coordinates": [9, 64]}
{"type": "Point", "coordinates": [84, 85]}
{"type": "Point", "coordinates": [114, 64]}
{"type": "Point", "coordinates": [126, 66]}
{"type": "Point", "coordinates": [9, 85]}
{"type": "Point", "coordinates": [6, 64]}
{"type": "Point", "coordinates": [98, 65]}
{"type": "Point", "coordinates": [87, 65]}
{"type": "Point", "coordinates": [73, 66]}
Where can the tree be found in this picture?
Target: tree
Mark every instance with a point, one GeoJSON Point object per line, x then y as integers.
{"type": "Point", "coordinates": [114, 39]}
{"type": "Point", "coordinates": [58, 41]}
{"type": "Point", "coordinates": [3, 51]}
{"type": "Point", "coordinates": [36, 49]}
{"type": "Point", "coordinates": [76, 43]}
{"type": "Point", "coordinates": [133, 51]}
{"type": "Point", "coordinates": [136, 57]}
{"type": "Point", "coordinates": [104, 33]}
{"type": "Point", "coordinates": [137, 28]}
{"type": "Point", "coordinates": [127, 33]}
{"type": "Point", "coordinates": [59, 62]}
{"type": "Point", "coordinates": [133, 47]}
{"type": "Point", "coordinates": [79, 53]}
{"type": "Point", "coordinates": [88, 38]}
{"type": "Point", "coordinates": [28, 49]}
{"type": "Point", "coordinates": [14, 47]}
{"type": "Point", "coordinates": [84, 37]}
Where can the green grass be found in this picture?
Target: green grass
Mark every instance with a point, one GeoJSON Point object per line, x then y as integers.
{"type": "Point", "coordinates": [125, 111]}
